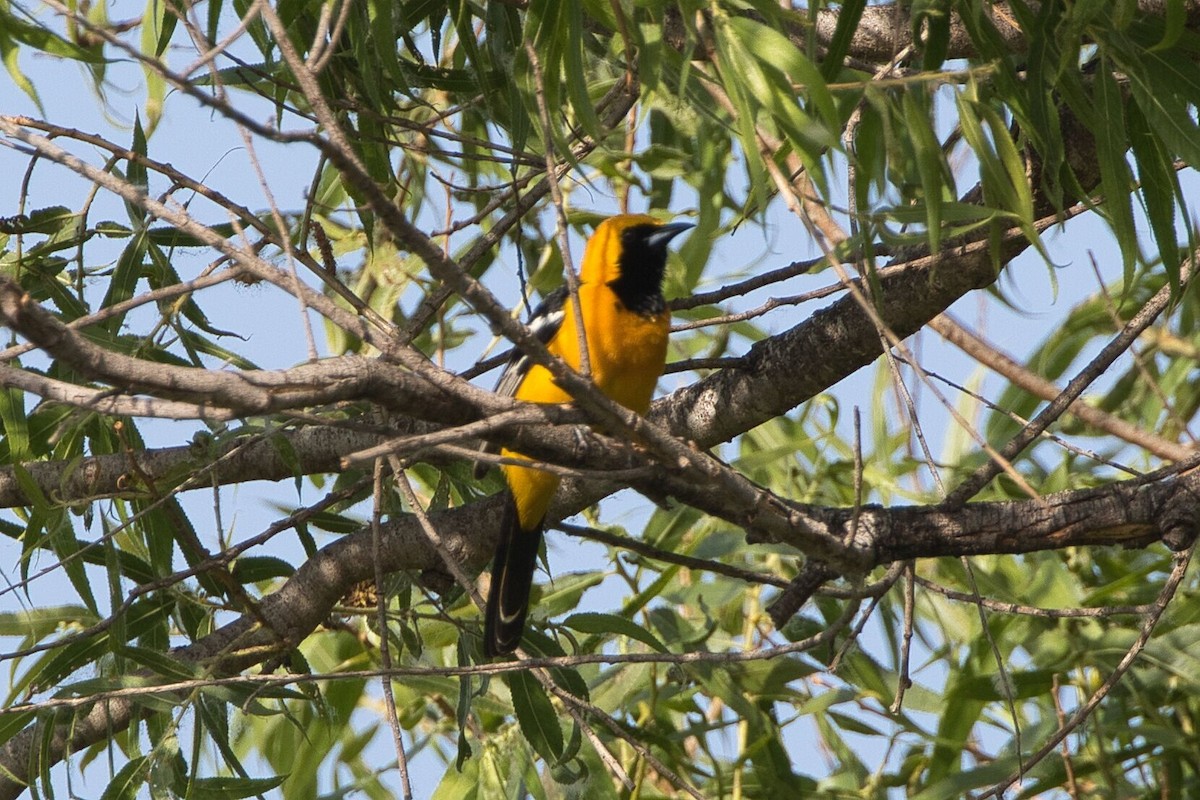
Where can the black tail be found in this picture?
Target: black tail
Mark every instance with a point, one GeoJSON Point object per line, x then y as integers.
{"type": "Point", "coordinates": [512, 578]}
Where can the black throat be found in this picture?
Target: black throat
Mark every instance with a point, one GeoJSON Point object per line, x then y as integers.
{"type": "Point", "coordinates": [641, 267]}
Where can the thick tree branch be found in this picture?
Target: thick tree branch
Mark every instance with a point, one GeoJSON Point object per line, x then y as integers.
{"type": "Point", "coordinates": [247, 392]}
{"type": "Point", "coordinates": [885, 30]}
{"type": "Point", "coordinates": [785, 370]}
{"type": "Point", "coordinates": [201, 464]}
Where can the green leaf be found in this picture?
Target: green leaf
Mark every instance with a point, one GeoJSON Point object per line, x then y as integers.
{"type": "Point", "coordinates": [1164, 88]}
{"type": "Point", "coordinates": [161, 663]}
{"type": "Point", "coordinates": [777, 53]}
{"type": "Point", "coordinates": [931, 165]}
{"type": "Point", "coordinates": [53, 221]}
{"type": "Point", "coordinates": [576, 71]}
{"type": "Point", "coordinates": [959, 782]}
{"type": "Point", "coordinates": [44, 40]}
{"type": "Point", "coordinates": [14, 424]}
{"type": "Point", "coordinates": [1159, 187]}
{"type": "Point", "coordinates": [195, 343]}
{"type": "Point", "coordinates": [540, 645]}
{"type": "Point", "coordinates": [136, 172]}
{"type": "Point", "coordinates": [9, 52]}
{"type": "Point", "coordinates": [167, 15]}
{"type": "Point", "coordinates": [602, 624]}
{"type": "Point", "coordinates": [231, 787]}
{"type": "Point", "coordinates": [173, 237]}
{"type": "Point", "coordinates": [1175, 20]}
{"type": "Point", "coordinates": [164, 274]}
{"type": "Point", "coordinates": [459, 784]}
{"type": "Point", "coordinates": [123, 283]}
{"type": "Point", "coordinates": [128, 780]}
{"type": "Point", "coordinates": [35, 624]}
{"type": "Point", "coordinates": [61, 537]}
{"type": "Point", "coordinates": [930, 25]}
{"type": "Point", "coordinates": [847, 25]}
{"type": "Point", "coordinates": [252, 569]}
{"type": "Point", "coordinates": [334, 523]}
{"type": "Point", "coordinates": [11, 724]}
{"type": "Point", "coordinates": [536, 715]}
{"type": "Point", "coordinates": [1115, 180]}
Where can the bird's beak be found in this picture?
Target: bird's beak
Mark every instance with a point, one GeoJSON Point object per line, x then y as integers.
{"type": "Point", "coordinates": [666, 233]}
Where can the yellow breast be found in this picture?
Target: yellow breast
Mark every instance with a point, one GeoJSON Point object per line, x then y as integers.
{"type": "Point", "coordinates": [626, 352]}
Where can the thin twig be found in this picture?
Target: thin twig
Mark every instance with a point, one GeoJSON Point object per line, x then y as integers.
{"type": "Point", "coordinates": [1061, 717]}
{"type": "Point", "coordinates": [1182, 560]}
{"type": "Point", "coordinates": [903, 680]}
{"type": "Point", "coordinates": [999, 606]}
{"type": "Point", "coordinates": [992, 357]}
{"type": "Point", "coordinates": [560, 211]}
{"type": "Point", "coordinates": [1116, 347]}
{"type": "Point", "coordinates": [385, 648]}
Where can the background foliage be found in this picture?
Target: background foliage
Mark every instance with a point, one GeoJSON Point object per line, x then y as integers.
{"type": "Point", "coordinates": [385, 152]}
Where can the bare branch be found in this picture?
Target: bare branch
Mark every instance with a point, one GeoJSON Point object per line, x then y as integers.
{"type": "Point", "coordinates": [988, 355]}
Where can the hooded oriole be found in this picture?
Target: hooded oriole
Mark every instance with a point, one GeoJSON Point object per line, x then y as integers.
{"type": "Point", "coordinates": [625, 324]}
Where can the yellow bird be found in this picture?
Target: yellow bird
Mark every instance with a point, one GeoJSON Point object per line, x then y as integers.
{"type": "Point", "coordinates": [625, 324]}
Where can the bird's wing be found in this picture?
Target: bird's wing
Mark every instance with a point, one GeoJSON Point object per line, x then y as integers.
{"type": "Point", "coordinates": [545, 322]}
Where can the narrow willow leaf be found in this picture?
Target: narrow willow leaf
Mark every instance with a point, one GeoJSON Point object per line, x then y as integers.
{"type": "Point", "coordinates": [334, 523]}
{"type": "Point", "coordinates": [384, 33]}
{"type": "Point", "coordinates": [576, 69]}
{"type": "Point", "coordinates": [848, 18]}
{"type": "Point", "coordinates": [503, 26]}
{"type": "Point", "coordinates": [463, 751]}
{"type": "Point", "coordinates": [124, 280]}
{"type": "Point", "coordinates": [15, 425]}
{"type": "Point", "coordinates": [1159, 188]}
{"type": "Point", "coordinates": [777, 51]}
{"type": "Point", "coordinates": [166, 16]}
{"type": "Point", "coordinates": [232, 787]}
{"type": "Point", "coordinates": [128, 780]}
{"type": "Point", "coordinates": [195, 343]}
{"type": "Point", "coordinates": [164, 274]}
{"type": "Point", "coordinates": [43, 39]}
{"type": "Point", "coordinates": [545, 26]}
{"type": "Point", "coordinates": [173, 237]}
{"type": "Point", "coordinates": [960, 782]}
{"type": "Point", "coordinates": [9, 52]}
{"type": "Point", "coordinates": [1042, 63]}
{"type": "Point", "coordinates": [1014, 167]}
{"type": "Point", "coordinates": [1163, 88]}
{"type": "Point", "coordinates": [161, 663]}
{"type": "Point", "coordinates": [997, 189]}
{"type": "Point", "coordinates": [37, 623]}
{"type": "Point", "coordinates": [536, 715]}
{"type": "Point", "coordinates": [595, 623]}
{"type": "Point", "coordinates": [253, 569]}
{"type": "Point", "coordinates": [738, 71]}
{"type": "Point", "coordinates": [1174, 21]}
{"type": "Point", "coordinates": [136, 171]}
{"type": "Point", "coordinates": [1115, 179]}
{"type": "Point", "coordinates": [931, 166]}
{"type": "Point", "coordinates": [538, 644]}
{"type": "Point", "coordinates": [931, 28]}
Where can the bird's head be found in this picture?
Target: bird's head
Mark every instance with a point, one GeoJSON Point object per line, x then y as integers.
{"type": "Point", "coordinates": [630, 248]}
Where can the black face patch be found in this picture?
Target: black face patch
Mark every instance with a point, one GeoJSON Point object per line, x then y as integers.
{"type": "Point", "coordinates": [642, 264]}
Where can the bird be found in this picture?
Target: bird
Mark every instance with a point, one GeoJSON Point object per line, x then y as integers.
{"type": "Point", "coordinates": [625, 324]}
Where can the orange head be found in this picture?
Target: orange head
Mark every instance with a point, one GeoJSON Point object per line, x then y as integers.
{"type": "Point", "coordinates": [629, 249]}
